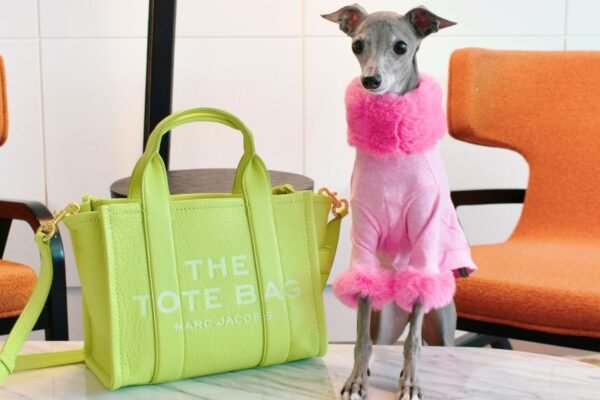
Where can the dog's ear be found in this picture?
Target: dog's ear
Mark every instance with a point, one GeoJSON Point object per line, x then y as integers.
{"type": "Point", "coordinates": [348, 17]}
{"type": "Point", "coordinates": [425, 22]}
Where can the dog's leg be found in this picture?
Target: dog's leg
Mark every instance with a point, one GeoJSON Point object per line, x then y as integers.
{"type": "Point", "coordinates": [355, 387]}
{"type": "Point", "coordinates": [409, 383]}
{"type": "Point", "coordinates": [388, 324]}
{"type": "Point", "coordinates": [439, 326]}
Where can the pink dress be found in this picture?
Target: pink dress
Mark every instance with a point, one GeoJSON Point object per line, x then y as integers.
{"type": "Point", "coordinates": [406, 240]}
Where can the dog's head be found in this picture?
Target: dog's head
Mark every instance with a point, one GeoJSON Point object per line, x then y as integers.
{"type": "Point", "coordinates": [386, 44]}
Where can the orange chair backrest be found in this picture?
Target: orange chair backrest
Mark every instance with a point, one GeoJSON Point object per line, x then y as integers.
{"type": "Point", "coordinates": [546, 106]}
{"type": "Point", "coordinates": [3, 105]}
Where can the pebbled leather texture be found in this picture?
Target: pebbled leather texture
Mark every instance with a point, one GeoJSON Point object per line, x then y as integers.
{"type": "Point", "coordinates": [181, 286]}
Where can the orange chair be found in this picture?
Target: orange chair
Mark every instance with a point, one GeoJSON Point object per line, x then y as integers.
{"type": "Point", "coordinates": [542, 284]}
{"type": "Point", "coordinates": [17, 280]}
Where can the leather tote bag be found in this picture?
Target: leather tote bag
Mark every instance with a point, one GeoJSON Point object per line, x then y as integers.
{"type": "Point", "coordinates": [179, 286]}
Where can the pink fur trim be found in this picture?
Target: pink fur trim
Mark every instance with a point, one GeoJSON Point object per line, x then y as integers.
{"type": "Point", "coordinates": [375, 283]}
{"type": "Point", "coordinates": [433, 290]}
{"type": "Point", "coordinates": [395, 124]}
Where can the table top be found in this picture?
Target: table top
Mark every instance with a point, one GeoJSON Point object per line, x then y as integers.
{"type": "Point", "coordinates": [446, 374]}
{"type": "Point", "coordinates": [212, 180]}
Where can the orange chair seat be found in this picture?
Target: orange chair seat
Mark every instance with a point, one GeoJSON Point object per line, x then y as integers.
{"type": "Point", "coordinates": [16, 284]}
{"type": "Point", "coordinates": [544, 286]}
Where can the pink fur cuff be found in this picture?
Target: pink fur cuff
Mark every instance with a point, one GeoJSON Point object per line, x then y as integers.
{"type": "Point", "coordinates": [432, 290]}
{"type": "Point", "coordinates": [375, 283]}
{"type": "Point", "coordinates": [389, 124]}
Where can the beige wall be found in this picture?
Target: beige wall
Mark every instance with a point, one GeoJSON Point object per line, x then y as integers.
{"type": "Point", "coordinates": [76, 90]}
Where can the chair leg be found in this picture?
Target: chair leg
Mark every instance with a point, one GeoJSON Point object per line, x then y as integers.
{"type": "Point", "coordinates": [57, 327]}
{"type": "Point", "coordinates": [479, 340]}
{"type": "Point", "coordinates": [501, 343]}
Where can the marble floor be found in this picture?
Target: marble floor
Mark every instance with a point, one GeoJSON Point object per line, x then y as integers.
{"type": "Point", "coordinates": [445, 374]}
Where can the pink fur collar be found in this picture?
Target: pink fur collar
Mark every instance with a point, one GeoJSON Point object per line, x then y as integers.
{"type": "Point", "coordinates": [391, 124]}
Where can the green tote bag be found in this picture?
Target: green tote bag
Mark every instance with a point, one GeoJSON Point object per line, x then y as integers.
{"type": "Point", "coordinates": [178, 286]}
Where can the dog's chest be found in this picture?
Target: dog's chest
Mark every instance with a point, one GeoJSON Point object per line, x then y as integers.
{"type": "Point", "coordinates": [395, 179]}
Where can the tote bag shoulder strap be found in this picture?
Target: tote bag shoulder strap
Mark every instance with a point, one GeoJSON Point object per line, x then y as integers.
{"type": "Point", "coordinates": [9, 358]}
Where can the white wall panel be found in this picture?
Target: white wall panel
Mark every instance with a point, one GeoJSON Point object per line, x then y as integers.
{"type": "Point", "coordinates": [583, 43]}
{"type": "Point", "coordinates": [582, 17]}
{"type": "Point", "coordinates": [259, 80]}
{"type": "Point", "coordinates": [18, 19]}
{"type": "Point", "coordinates": [20, 246]}
{"type": "Point", "coordinates": [490, 223]}
{"type": "Point", "coordinates": [239, 18]}
{"type": "Point", "coordinates": [341, 320]}
{"type": "Point", "coordinates": [474, 17]}
{"type": "Point", "coordinates": [92, 18]}
{"type": "Point", "coordinates": [93, 115]}
{"type": "Point", "coordinates": [329, 66]}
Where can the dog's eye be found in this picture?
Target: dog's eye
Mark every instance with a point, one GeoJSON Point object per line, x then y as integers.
{"type": "Point", "coordinates": [400, 47]}
{"type": "Point", "coordinates": [357, 47]}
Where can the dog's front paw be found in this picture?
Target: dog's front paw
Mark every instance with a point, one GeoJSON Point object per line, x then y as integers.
{"type": "Point", "coordinates": [409, 388]}
{"type": "Point", "coordinates": [410, 392]}
{"type": "Point", "coordinates": [355, 387]}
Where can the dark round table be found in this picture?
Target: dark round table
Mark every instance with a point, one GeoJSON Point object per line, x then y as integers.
{"type": "Point", "coordinates": [217, 180]}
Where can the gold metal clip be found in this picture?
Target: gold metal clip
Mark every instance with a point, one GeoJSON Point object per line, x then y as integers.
{"type": "Point", "coordinates": [339, 207]}
{"type": "Point", "coordinates": [49, 228]}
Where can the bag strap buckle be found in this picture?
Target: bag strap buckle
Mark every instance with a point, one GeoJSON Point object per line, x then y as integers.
{"type": "Point", "coordinates": [49, 228]}
{"type": "Point", "coordinates": [339, 206]}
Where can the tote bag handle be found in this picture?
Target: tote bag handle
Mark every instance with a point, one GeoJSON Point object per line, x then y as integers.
{"type": "Point", "coordinates": [201, 114]}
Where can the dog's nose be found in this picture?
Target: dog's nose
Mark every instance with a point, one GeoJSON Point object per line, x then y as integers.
{"type": "Point", "coordinates": [371, 82]}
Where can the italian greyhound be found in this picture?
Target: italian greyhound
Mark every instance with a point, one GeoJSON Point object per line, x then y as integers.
{"type": "Point", "coordinates": [386, 44]}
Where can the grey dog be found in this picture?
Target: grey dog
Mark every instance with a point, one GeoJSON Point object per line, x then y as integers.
{"type": "Point", "coordinates": [377, 41]}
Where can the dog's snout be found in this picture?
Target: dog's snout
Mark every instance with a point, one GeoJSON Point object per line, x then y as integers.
{"type": "Point", "coordinates": [371, 82]}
